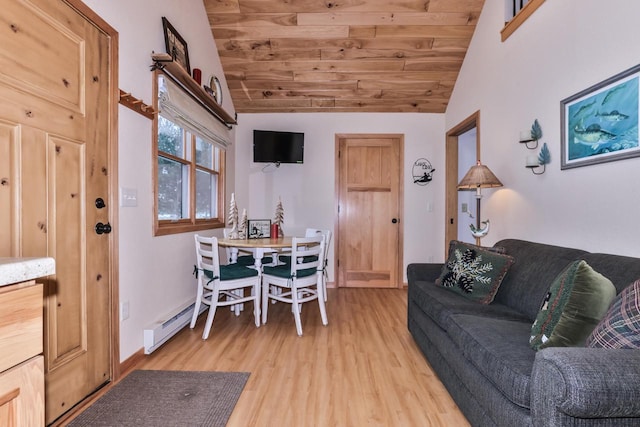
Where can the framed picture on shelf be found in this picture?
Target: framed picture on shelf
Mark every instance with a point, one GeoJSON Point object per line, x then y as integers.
{"type": "Point", "coordinates": [600, 123]}
{"type": "Point", "coordinates": [259, 228]}
{"type": "Point", "coordinates": [176, 45]}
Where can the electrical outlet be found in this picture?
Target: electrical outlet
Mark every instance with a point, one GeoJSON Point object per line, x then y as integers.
{"type": "Point", "coordinates": [465, 208]}
{"type": "Point", "coordinates": [124, 310]}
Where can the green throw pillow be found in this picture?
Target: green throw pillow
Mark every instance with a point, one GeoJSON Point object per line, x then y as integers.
{"type": "Point", "coordinates": [474, 272]}
{"type": "Point", "coordinates": [577, 299]}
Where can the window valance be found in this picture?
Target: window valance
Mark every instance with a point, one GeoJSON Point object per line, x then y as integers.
{"type": "Point", "coordinates": [176, 105]}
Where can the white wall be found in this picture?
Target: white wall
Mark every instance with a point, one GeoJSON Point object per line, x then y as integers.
{"type": "Point", "coordinates": [308, 190]}
{"type": "Point", "coordinates": [155, 272]}
{"type": "Point", "coordinates": [563, 48]}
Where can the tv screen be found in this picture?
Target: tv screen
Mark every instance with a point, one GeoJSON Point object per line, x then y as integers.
{"type": "Point", "coordinates": [278, 147]}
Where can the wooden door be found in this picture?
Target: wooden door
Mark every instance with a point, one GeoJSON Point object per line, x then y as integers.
{"type": "Point", "coordinates": [369, 184]}
{"type": "Point", "coordinates": [55, 114]}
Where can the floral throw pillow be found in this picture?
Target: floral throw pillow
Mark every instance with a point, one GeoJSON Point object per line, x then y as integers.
{"type": "Point", "coordinates": [474, 272]}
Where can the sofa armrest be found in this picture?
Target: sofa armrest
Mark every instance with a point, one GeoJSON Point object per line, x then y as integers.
{"type": "Point", "coordinates": [570, 385]}
{"type": "Point", "coordinates": [427, 272]}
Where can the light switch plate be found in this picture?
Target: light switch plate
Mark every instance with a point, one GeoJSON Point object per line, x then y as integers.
{"type": "Point", "coordinates": [429, 206]}
{"type": "Point", "coordinates": [128, 197]}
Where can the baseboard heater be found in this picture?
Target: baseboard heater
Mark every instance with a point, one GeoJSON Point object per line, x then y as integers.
{"type": "Point", "coordinates": [159, 332]}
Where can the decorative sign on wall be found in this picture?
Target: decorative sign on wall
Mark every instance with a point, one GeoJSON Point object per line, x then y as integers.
{"type": "Point", "coordinates": [422, 172]}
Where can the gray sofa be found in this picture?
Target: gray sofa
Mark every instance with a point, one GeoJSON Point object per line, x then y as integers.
{"type": "Point", "coordinates": [482, 355]}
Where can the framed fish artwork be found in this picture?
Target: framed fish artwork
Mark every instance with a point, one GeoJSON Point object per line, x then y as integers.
{"type": "Point", "coordinates": [600, 123]}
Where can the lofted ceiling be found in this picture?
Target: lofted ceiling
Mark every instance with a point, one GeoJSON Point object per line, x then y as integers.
{"type": "Point", "coordinates": [342, 55]}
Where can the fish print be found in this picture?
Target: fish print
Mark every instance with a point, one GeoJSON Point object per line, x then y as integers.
{"type": "Point", "coordinates": [592, 136]}
{"type": "Point", "coordinates": [612, 92]}
{"type": "Point", "coordinates": [584, 109]}
{"type": "Point", "coordinates": [613, 116]}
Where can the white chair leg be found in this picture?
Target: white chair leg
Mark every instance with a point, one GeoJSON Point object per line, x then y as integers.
{"type": "Point", "coordinates": [265, 300]}
{"type": "Point", "coordinates": [255, 290]}
{"type": "Point", "coordinates": [196, 309]}
{"type": "Point", "coordinates": [237, 308]}
{"type": "Point", "coordinates": [296, 312]}
{"type": "Point", "coordinates": [324, 286]}
{"type": "Point", "coordinates": [212, 313]}
{"type": "Point", "coordinates": [194, 317]}
{"type": "Point", "coordinates": [323, 310]}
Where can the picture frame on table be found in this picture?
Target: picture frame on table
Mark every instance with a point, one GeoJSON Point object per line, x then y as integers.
{"type": "Point", "coordinates": [259, 228]}
{"type": "Point", "coordinates": [176, 46]}
{"type": "Point", "coordinates": [600, 123]}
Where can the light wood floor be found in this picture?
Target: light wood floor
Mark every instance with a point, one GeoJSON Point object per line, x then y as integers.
{"type": "Point", "coordinates": [363, 369]}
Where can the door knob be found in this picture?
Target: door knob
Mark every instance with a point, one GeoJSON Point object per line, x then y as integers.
{"type": "Point", "coordinates": [100, 203]}
{"type": "Point", "coordinates": [394, 220]}
{"type": "Point", "coordinates": [103, 228]}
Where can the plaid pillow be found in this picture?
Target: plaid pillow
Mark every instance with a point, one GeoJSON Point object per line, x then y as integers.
{"type": "Point", "coordinates": [620, 327]}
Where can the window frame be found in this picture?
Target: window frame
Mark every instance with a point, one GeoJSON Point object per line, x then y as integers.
{"type": "Point", "coordinates": [185, 225]}
{"type": "Point", "coordinates": [522, 15]}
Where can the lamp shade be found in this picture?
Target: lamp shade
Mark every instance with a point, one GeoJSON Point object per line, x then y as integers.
{"type": "Point", "coordinates": [479, 176]}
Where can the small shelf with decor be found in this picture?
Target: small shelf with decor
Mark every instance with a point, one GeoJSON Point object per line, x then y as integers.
{"type": "Point", "coordinates": [164, 62]}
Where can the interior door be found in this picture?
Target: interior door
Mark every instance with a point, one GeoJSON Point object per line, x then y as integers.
{"type": "Point", "coordinates": [369, 237]}
{"type": "Point", "coordinates": [55, 90]}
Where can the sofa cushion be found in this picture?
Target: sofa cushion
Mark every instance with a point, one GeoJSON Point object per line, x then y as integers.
{"type": "Point", "coordinates": [620, 327]}
{"type": "Point", "coordinates": [496, 249]}
{"type": "Point", "coordinates": [529, 278]}
{"type": "Point", "coordinates": [498, 348]}
{"type": "Point", "coordinates": [577, 299]}
{"type": "Point", "coordinates": [621, 270]}
{"type": "Point", "coordinates": [474, 272]}
{"type": "Point", "coordinates": [439, 304]}
{"type": "Point", "coordinates": [232, 272]}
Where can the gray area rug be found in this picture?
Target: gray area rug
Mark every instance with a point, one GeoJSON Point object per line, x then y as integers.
{"type": "Point", "coordinates": [167, 398]}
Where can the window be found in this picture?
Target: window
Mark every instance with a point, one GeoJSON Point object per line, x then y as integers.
{"type": "Point", "coordinates": [516, 12]}
{"type": "Point", "coordinates": [189, 166]}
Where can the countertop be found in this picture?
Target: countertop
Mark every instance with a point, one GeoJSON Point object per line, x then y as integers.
{"type": "Point", "coordinates": [15, 270]}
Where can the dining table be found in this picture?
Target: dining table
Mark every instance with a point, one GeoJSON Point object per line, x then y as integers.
{"type": "Point", "coordinates": [257, 247]}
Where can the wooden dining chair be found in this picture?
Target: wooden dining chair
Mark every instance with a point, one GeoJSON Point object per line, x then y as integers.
{"type": "Point", "coordinates": [222, 285]}
{"type": "Point", "coordinates": [296, 283]}
{"type": "Point", "coordinates": [310, 232]}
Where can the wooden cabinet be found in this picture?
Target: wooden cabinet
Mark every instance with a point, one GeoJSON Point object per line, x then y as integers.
{"type": "Point", "coordinates": [21, 360]}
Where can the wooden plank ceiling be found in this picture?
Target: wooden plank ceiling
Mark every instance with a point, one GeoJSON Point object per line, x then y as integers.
{"type": "Point", "coordinates": [342, 55]}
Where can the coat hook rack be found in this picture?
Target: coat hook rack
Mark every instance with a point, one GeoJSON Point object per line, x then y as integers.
{"type": "Point", "coordinates": [136, 105]}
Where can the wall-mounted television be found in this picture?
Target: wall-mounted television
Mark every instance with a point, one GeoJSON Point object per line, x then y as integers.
{"type": "Point", "coordinates": [278, 147]}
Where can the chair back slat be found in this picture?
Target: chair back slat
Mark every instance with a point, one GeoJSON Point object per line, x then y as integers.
{"type": "Point", "coordinates": [308, 251]}
{"type": "Point", "coordinates": [207, 255]}
{"type": "Point", "coordinates": [310, 232]}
